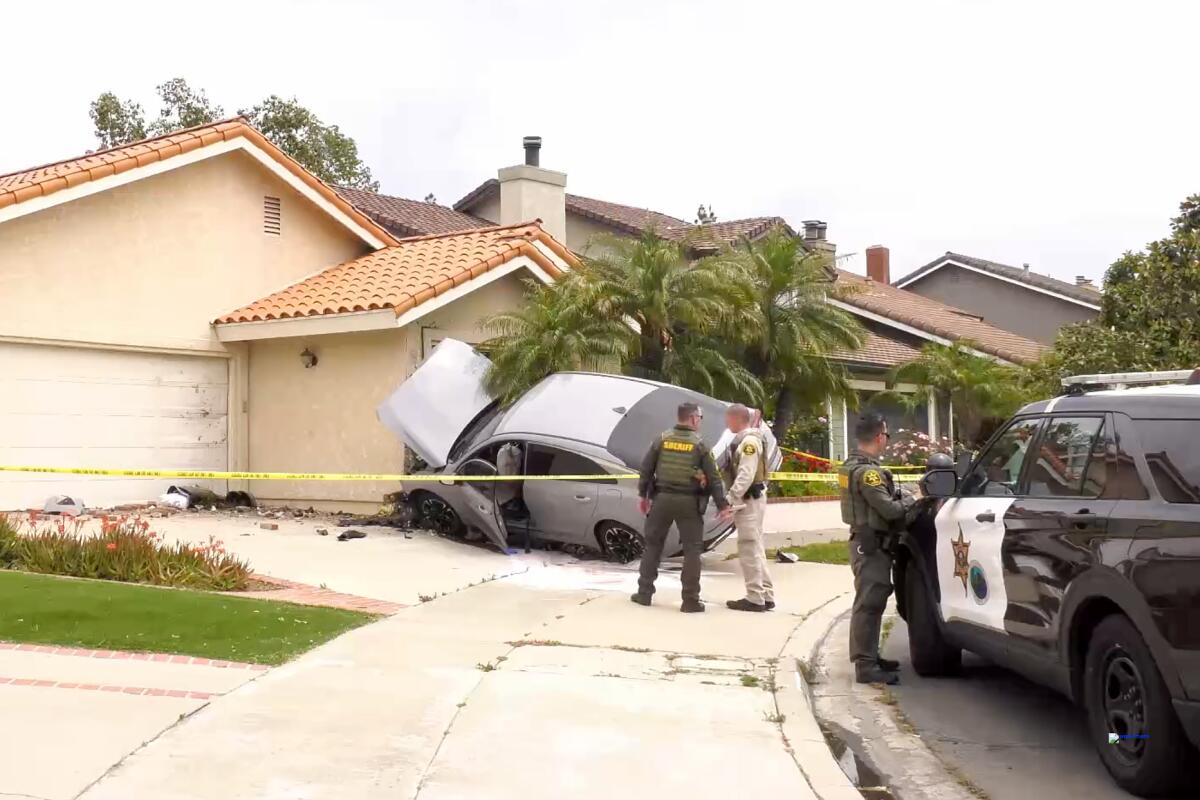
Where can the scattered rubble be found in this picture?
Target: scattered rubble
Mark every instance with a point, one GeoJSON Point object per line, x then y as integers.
{"type": "Point", "coordinates": [269, 526]}
{"type": "Point", "coordinates": [346, 536]}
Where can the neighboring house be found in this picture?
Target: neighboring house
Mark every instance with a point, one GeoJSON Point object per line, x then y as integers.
{"type": "Point", "coordinates": [120, 346]}
{"type": "Point", "coordinates": [1014, 298]}
{"type": "Point", "coordinates": [898, 322]}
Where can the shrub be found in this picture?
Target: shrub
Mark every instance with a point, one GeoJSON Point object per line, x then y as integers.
{"type": "Point", "coordinates": [125, 549]}
{"type": "Point", "coordinates": [913, 448]}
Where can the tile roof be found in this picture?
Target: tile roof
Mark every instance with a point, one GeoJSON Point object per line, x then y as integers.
{"type": "Point", "coordinates": [405, 275]}
{"type": "Point", "coordinates": [937, 319]}
{"type": "Point", "coordinates": [17, 187]}
{"type": "Point", "coordinates": [1085, 294]}
{"type": "Point", "coordinates": [701, 236]}
{"type": "Point", "coordinates": [405, 217]}
{"type": "Point", "coordinates": [879, 351]}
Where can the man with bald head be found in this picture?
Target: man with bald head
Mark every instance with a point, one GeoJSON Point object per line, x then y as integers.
{"type": "Point", "coordinates": [745, 467]}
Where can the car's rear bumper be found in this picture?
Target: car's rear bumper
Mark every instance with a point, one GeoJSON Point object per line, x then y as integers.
{"type": "Point", "coordinates": [1188, 712]}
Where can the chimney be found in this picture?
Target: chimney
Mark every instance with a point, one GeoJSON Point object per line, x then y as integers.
{"type": "Point", "coordinates": [1083, 280]}
{"type": "Point", "coordinates": [814, 230]}
{"type": "Point", "coordinates": [527, 192]}
{"type": "Point", "coordinates": [879, 267]}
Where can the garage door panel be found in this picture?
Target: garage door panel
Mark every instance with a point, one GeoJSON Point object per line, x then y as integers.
{"type": "Point", "coordinates": [75, 407]}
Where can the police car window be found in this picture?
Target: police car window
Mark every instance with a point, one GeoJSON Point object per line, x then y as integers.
{"type": "Point", "coordinates": [1069, 460]}
{"type": "Point", "coordinates": [997, 471]}
{"type": "Point", "coordinates": [1173, 457]}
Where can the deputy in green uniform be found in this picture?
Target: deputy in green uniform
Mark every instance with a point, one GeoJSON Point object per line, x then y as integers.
{"type": "Point", "coordinates": [873, 510]}
{"type": "Point", "coordinates": [676, 473]}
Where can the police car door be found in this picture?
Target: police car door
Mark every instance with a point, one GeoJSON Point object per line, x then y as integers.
{"type": "Point", "coordinates": [970, 530]}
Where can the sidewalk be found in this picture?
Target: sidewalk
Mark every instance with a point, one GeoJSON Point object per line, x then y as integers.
{"type": "Point", "coordinates": [540, 685]}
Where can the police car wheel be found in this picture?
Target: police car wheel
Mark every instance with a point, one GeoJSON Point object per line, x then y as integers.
{"type": "Point", "coordinates": [928, 649]}
{"type": "Point", "coordinates": [437, 515]}
{"type": "Point", "coordinates": [1130, 717]}
{"type": "Point", "coordinates": [619, 543]}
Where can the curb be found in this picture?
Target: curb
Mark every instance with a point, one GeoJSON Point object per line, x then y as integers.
{"type": "Point", "coordinates": [794, 700]}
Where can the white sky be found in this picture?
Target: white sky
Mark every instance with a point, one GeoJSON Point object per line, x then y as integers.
{"type": "Point", "coordinates": [1057, 133]}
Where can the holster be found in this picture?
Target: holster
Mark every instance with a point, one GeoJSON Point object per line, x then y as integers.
{"type": "Point", "coordinates": [755, 491]}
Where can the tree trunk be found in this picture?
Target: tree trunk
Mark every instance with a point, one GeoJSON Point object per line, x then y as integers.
{"type": "Point", "coordinates": [785, 412]}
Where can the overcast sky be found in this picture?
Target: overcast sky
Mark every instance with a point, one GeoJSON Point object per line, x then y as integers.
{"type": "Point", "coordinates": [1054, 133]}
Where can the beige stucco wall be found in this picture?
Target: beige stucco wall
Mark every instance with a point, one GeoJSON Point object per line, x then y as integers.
{"type": "Point", "coordinates": [580, 231]}
{"type": "Point", "coordinates": [323, 419]}
{"type": "Point", "coordinates": [153, 262]}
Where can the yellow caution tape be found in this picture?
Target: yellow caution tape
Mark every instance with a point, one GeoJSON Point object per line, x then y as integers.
{"type": "Point", "coordinates": [812, 477]}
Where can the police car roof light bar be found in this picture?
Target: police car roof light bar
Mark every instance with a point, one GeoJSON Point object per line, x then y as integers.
{"type": "Point", "coordinates": [1122, 380]}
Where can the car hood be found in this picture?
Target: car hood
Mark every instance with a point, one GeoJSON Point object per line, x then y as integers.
{"type": "Point", "coordinates": [430, 410]}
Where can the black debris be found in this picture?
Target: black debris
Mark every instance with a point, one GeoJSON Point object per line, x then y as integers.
{"type": "Point", "coordinates": [346, 536]}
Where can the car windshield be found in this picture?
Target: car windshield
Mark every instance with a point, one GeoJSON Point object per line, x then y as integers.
{"type": "Point", "coordinates": [653, 414]}
{"type": "Point", "coordinates": [480, 428]}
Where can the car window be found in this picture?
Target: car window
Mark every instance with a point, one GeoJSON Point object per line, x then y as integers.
{"type": "Point", "coordinates": [1070, 459]}
{"type": "Point", "coordinates": [997, 471]}
{"type": "Point", "coordinates": [653, 414]}
{"type": "Point", "coordinates": [552, 461]}
{"type": "Point", "coordinates": [1173, 455]}
{"type": "Point", "coordinates": [477, 466]}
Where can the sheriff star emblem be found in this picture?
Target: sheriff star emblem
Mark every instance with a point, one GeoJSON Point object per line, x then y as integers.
{"type": "Point", "coordinates": [962, 569]}
{"type": "Point", "coordinates": [872, 478]}
{"type": "Point", "coordinates": [749, 449]}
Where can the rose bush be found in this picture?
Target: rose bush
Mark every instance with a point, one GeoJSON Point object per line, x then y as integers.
{"type": "Point", "coordinates": [124, 549]}
{"type": "Point", "coordinates": [913, 448]}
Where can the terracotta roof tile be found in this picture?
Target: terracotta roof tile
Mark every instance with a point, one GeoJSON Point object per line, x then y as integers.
{"type": "Point", "coordinates": [405, 275]}
{"type": "Point", "coordinates": [1085, 294]}
{"type": "Point", "coordinates": [718, 233]}
{"type": "Point", "coordinates": [627, 218]}
{"type": "Point", "coordinates": [405, 217]}
{"type": "Point", "coordinates": [17, 187]}
{"type": "Point", "coordinates": [879, 351]}
{"type": "Point", "coordinates": [937, 319]}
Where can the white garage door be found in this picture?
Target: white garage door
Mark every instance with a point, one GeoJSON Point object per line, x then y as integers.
{"type": "Point", "coordinates": [75, 407]}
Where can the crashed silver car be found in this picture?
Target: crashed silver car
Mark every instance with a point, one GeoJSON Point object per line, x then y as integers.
{"type": "Point", "coordinates": [572, 423]}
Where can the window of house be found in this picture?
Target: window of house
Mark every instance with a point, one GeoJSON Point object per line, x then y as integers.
{"type": "Point", "coordinates": [998, 470]}
{"type": "Point", "coordinates": [1070, 459]}
{"type": "Point", "coordinates": [1173, 457]}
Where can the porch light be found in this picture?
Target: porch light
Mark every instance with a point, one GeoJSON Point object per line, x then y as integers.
{"type": "Point", "coordinates": [308, 358]}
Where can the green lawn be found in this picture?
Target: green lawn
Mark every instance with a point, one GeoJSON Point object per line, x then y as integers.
{"type": "Point", "coordinates": [835, 552]}
{"type": "Point", "coordinates": [120, 616]}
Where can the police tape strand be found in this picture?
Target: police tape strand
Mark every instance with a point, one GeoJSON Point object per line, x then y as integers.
{"type": "Point", "coordinates": [782, 477]}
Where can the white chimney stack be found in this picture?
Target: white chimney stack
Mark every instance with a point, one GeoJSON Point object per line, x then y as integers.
{"type": "Point", "coordinates": [528, 191]}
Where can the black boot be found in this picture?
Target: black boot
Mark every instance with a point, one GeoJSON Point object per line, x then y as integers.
{"type": "Point", "coordinates": [887, 664]}
{"type": "Point", "coordinates": [870, 673]}
{"type": "Point", "coordinates": [692, 607]}
{"type": "Point", "coordinates": [770, 605]}
{"type": "Point", "coordinates": [640, 599]}
{"type": "Point", "coordinates": [744, 605]}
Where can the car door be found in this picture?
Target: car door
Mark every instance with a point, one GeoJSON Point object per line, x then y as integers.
{"type": "Point", "coordinates": [971, 572]}
{"type": "Point", "coordinates": [1057, 527]}
{"type": "Point", "coordinates": [475, 501]}
{"type": "Point", "coordinates": [564, 510]}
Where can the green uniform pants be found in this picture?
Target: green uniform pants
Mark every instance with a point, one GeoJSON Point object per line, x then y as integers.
{"type": "Point", "coordinates": [872, 568]}
{"type": "Point", "coordinates": [684, 511]}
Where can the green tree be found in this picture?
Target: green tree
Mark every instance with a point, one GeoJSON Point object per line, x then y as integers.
{"type": "Point", "coordinates": [554, 330]}
{"type": "Point", "coordinates": [978, 387]}
{"type": "Point", "coordinates": [689, 316]}
{"type": "Point", "coordinates": [320, 148]}
{"type": "Point", "coordinates": [800, 330]}
{"type": "Point", "coordinates": [1149, 317]}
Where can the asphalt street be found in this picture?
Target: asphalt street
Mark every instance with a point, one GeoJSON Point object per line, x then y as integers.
{"type": "Point", "coordinates": [1011, 738]}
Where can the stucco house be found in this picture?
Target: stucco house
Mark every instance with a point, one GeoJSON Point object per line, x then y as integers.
{"type": "Point", "coordinates": [1014, 298]}
{"type": "Point", "coordinates": [200, 301]}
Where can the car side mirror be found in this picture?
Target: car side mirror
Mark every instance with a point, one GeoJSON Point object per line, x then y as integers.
{"type": "Point", "coordinates": [939, 483]}
{"type": "Point", "coordinates": [962, 464]}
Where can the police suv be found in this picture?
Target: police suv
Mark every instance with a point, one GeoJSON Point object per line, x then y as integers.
{"type": "Point", "coordinates": [1069, 551]}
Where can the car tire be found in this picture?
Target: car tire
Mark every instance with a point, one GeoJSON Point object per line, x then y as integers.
{"type": "Point", "coordinates": [437, 515]}
{"type": "Point", "coordinates": [619, 543]}
{"type": "Point", "coordinates": [928, 649]}
{"type": "Point", "coordinates": [1124, 693]}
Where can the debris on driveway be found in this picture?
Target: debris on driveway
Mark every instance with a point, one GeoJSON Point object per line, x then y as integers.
{"type": "Point", "coordinates": [62, 504]}
{"type": "Point", "coordinates": [269, 526]}
{"type": "Point", "coordinates": [346, 536]}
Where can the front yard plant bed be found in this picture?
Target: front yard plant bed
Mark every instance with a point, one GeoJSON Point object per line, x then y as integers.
{"type": "Point", "coordinates": [43, 609]}
{"type": "Point", "coordinates": [835, 552]}
{"type": "Point", "coordinates": [124, 549]}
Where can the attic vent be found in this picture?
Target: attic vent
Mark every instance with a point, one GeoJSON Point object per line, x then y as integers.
{"type": "Point", "coordinates": [271, 218]}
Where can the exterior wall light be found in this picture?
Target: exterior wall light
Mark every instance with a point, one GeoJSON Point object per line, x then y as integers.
{"type": "Point", "coordinates": [308, 358]}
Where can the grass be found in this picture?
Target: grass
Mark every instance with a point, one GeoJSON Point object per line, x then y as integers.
{"type": "Point", "coordinates": [45, 609]}
{"type": "Point", "coordinates": [835, 552]}
{"type": "Point", "coordinates": [750, 681]}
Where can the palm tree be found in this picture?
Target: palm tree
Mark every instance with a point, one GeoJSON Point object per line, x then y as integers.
{"type": "Point", "coordinates": [686, 314]}
{"type": "Point", "coordinates": [554, 330]}
{"type": "Point", "coordinates": [800, 330]}
{"type": "Point", "coordinates": [978, 387]}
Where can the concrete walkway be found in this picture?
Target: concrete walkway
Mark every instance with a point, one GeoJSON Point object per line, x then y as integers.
{"type": "Point", "coordinates": [544, 684]}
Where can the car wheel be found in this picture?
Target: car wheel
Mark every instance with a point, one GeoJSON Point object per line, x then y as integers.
{"type": "Point", "coordinates": [1125, 696]}
{"type": "Point", "coordinates": [931, 654]}
{"type": "Point", "coordinates": [436, 514]}
{"type": "Point", "coordinates": [619, 543]}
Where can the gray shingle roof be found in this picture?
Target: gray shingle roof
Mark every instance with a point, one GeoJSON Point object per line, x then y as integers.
{"type": "Point", "coordinates": [1083, 294]}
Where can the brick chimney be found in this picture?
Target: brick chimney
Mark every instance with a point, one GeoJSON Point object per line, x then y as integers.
{"type": "Point", "coordinates": [529, 191]}
{"type": "Point", "coordinates": [879, 266]}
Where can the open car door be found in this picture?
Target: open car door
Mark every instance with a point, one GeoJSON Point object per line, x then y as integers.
{"type": "Point", "coordinates": [477, 502]}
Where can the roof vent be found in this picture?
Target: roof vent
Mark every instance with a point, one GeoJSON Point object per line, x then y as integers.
{"type": "Point", "coordinates": [533, 146]}
{"type": "Point", "coordinates": [1083, 280]}
{"type": "Point", "coordinates": [271, 218]}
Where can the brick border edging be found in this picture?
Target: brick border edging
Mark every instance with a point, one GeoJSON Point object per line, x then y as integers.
{"type": "Point", "coordinates": [129, 655]}
{"type": "Point", "coordinates": [140, 691]}
{"type": "Point", "coordinates": [308, 595]}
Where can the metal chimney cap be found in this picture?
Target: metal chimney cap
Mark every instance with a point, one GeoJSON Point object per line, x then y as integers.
{"type": "Point", "coordinates": [532, 145]}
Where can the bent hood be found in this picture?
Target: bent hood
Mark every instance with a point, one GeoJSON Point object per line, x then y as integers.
{"type": "Point", "coordinates": [436, 403]}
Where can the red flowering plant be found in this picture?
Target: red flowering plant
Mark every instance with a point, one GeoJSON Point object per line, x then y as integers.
{"type": "Point", "coordinates": [123, 549]}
